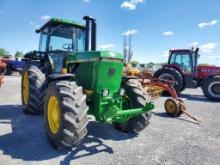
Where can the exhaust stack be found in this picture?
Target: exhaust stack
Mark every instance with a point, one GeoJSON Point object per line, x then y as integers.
{"type": "Point", "coordinates": [90, 39]}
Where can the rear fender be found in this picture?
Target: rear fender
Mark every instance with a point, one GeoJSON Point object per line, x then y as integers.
{"type": "Point", "coordinates": [58, 76]}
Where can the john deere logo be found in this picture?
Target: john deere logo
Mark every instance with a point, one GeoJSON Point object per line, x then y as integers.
{"type": "Point", "coordinates": [111, 71]}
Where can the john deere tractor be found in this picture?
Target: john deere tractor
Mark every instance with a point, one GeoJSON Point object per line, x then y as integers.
{"type": "Point", "coordinates": [67, 79]}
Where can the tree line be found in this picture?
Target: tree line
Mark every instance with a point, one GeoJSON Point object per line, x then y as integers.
{"type": "Point", "coordinates": [4, 52]}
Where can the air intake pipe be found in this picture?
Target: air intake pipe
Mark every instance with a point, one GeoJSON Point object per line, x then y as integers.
{"type": "Point", "coordinates": [90, 38]}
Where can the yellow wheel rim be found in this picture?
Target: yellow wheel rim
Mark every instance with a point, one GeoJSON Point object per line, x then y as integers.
{"type": "Point", "coordinates": [25, 88]}
{"type": "Point", "coordinates": [53, 113]}
{"type": "Point", "coordinates": [171, 106]}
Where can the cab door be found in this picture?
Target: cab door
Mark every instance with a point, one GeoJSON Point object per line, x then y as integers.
{"type": "Point", "coordinates": [183, 61]}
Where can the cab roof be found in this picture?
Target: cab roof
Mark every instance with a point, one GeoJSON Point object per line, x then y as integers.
{"type": "Point", "coordinates": [181, 50]}
{"type": "Point", "coordinates": [57, 21]}
{"type": "Point", "coordinates": [185, 50]}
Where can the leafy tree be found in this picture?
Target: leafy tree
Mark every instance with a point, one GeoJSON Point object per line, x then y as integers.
{"type": "Point", "coordinates": [3, 52]}
{"type": "Point", "coordinates": [162, 63]}
{"type": "Point", "coordinates": [19, 54]}
{"type": "Point", "coordinates": [134, 63]}
{"type": "Point", "coordinates": [150, 65]}
{"type": "Point", "coordinates": [206, 64]}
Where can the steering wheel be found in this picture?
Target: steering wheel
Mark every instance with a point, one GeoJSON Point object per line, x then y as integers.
{"type": "Point", "coordinates": [67, 46]}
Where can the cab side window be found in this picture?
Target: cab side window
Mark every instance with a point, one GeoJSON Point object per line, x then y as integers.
{"type": "Point", "coordinates": [183, 60]}
{"type": "Point", "coordinates": [43, 41]}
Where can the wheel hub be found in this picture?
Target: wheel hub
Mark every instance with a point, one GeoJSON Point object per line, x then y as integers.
{"type": "Point", "coordinates": [170, 106]}
{"type": "Point", "coordinates": [53, 114]}
{"type": "Point", "coordinates": [216, 88]}
{"type": "Point", "coordinates": [25, 88]}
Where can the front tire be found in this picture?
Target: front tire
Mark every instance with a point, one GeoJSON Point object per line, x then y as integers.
{"type": "Point", "coordinates": [211, 88]}
{"type": "Point", "coordinates": [65, 113]}
{"type": "Point", "coordinates": [137, 99]}
{"type": "Point", "coordinates": [33, 89]}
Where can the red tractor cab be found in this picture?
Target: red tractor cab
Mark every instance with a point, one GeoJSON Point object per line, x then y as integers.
{"type": "Point", "coordinates": [182, 68]}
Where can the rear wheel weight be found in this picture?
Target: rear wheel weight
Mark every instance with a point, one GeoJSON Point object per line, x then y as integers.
{"type": "Point", "coordinates": [69, 128]}
{"type": "Point", "coordinates": [137, 99]}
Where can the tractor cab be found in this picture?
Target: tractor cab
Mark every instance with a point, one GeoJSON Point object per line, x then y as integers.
{"type": "Point", "coordinates": [185, 60]}
{"type": "Point", "coordinates": [63, 36]}
{"type": "Point", "coordinates": [60, 38]}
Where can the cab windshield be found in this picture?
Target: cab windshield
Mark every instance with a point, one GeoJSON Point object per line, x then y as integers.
{"type": "Point", "coordinates": [66, 38]}
{"type": "Point", "coordinates": [63, 38]}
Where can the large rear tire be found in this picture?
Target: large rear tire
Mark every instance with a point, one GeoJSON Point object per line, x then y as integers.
{"type": "Point", "coordinates": [211, 88]}
{"type": "Point", "coordinates": [171, 74]}
{"type": "Point", "coordinates": [33, 89]}
{"type": "Point", "coordinates": [137, 98]}
{"type": "Point", "coordinates": [65, 113]}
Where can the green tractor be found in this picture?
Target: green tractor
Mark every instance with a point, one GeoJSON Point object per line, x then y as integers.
{"type": "Point", "coordinates": [67, 79]}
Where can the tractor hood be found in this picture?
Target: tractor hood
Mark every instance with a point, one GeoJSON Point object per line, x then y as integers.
{"type": "Point", "coordinates": [96, 56]}
{"type": "Point", "coordinates": [205, 71]}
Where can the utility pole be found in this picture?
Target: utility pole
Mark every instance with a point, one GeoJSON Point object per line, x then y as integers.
{"type": "Point", "coordinates": [127, 50]}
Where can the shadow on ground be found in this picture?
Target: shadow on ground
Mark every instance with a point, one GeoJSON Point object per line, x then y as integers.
{"type": "Point", "coordinates": [165, 115]}
{"type": "Point", "coordinates": [191, 97]}
{"type": "Point", "coordinates": [196, 98]}
{"type": "Point", "coordinates": [27, 139]}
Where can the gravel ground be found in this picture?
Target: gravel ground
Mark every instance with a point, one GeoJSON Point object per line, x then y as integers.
{"type": "Point", "coordinates": [165, 141]}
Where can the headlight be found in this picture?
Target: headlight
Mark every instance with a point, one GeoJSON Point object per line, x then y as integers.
{"type": "Point", "coordinates": [105, 92]}
{"type": "Point", "coordinates": [122, 92]}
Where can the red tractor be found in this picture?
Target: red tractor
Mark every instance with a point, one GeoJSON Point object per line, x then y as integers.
{"type": "Point", "coordinates": [182, 69]}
